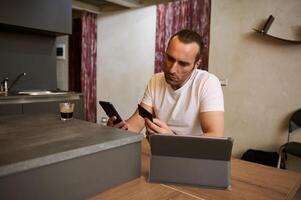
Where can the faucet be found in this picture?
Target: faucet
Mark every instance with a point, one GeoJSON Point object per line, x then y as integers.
{"type": "Point", "coordinates": [15, 81]}
{"type": "Point", "coordinates": [4, 83]}
{"type": "Point", "coordinates": [4, 87]}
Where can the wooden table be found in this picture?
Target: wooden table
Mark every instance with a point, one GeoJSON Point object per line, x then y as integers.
{"type": "Point", "coordinates": [249, 181]}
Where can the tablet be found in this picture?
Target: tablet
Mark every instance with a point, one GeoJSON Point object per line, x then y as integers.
{"type": "Point", "coordinates": [194, 160]}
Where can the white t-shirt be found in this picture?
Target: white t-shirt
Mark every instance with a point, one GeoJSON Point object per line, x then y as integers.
{"type": "Point", "coordinates": [180, 108]}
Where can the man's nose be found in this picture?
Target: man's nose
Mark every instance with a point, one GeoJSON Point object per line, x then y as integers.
{"type": "Point", "coordinates": [173, 67]}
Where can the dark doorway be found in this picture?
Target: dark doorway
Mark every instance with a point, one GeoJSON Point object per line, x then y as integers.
{"type": "Point", "coordinates": [75, 42]}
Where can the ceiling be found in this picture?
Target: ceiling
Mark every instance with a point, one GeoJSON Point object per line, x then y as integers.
{"type": "Point", "coordinates": [105, 3]}
{"type": "Point", "coordinates": [100, 6]}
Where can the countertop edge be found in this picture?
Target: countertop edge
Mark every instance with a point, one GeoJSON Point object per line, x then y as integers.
{"type": "Point", "coordinates": [22, 99]}
{"type": "Point", "coordinates": [66, 155]}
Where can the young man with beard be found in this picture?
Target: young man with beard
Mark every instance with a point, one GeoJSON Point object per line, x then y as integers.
{"type": "Point", "coordinates": [184, 100]}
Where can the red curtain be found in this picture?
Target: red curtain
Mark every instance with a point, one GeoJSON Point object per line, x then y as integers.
{"type": "Point", "coordinates": [182, 14]}
{"type": "Point", "coordinates": [88, 64]}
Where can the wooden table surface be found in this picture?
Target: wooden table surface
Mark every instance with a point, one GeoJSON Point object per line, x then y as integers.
{"type": "Point", "coordinates": [249, 181]}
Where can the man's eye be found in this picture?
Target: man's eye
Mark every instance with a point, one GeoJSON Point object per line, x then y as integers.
{"type": "Point", "coordinates": [169, 59]}
{"type": "Point", "coordinates": [184, 64]}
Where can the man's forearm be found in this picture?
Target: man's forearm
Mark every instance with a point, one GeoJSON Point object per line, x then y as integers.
{"type": "Point", "coordinates": [134, 128]}
{"type": "Point", "coordinates": [135, 123]}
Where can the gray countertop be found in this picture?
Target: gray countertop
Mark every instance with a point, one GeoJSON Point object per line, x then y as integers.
{"type": "Point", "coordinates": [30, 141]}
{"type": "Point", "coordinates": [14, 98]}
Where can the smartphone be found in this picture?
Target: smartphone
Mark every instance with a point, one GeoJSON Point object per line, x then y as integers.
{"type": "Point", "coordinates": [144, 113]}
{"type": "Point", "coordinates": [110, 111]}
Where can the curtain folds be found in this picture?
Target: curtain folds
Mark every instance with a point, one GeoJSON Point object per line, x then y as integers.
{"type": "Point", "coordinates": [182, 14]}
{"type": "Point", "coordinates": [88, 64]}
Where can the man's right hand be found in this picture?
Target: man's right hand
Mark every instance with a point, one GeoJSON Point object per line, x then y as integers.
{"type": "Point", "coordinates": [121, 125]}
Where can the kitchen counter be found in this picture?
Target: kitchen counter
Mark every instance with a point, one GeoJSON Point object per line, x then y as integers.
{"type": "Point", "coordinates": [40, 146]}
{"type": "Point", "coordinates": [31, 141]}
{"type": "Point", "coordinates": [15, 98]}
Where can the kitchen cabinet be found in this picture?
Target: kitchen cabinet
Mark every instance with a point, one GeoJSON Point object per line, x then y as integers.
{"type": "Point", "coordinates": [44, 16]}
{"type": "Point", "coordinates": [10, 109]}
{"type": "Point", "coordinates": [53, 107]}
{"type": "Point", "coordinates": [19, 104]}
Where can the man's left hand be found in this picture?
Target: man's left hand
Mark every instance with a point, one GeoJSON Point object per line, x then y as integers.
{"type": "Point", "coordinates": [157, 126]}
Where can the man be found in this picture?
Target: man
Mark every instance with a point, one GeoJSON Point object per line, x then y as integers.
{"type": "Point", "coordinates": [183, 99]}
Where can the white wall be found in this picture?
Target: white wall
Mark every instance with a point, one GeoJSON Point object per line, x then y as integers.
{"type": "Point", "coordinates": [125, 58]}
{"type": "Point", "coordinates": [264, 75]}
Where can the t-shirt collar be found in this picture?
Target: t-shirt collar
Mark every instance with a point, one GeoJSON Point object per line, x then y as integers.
{"type": "Point", "coordinates": [188, 82]}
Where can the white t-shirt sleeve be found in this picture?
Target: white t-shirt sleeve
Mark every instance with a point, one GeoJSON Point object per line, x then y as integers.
{"type": "Point", "coordinates": [212, 98]}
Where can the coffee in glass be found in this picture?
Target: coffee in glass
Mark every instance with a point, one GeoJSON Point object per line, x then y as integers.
{"type": "Point", "coordinates": [66, 110]}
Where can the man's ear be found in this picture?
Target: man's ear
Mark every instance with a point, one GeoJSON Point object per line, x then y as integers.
{"type": "Point", "coordinates": [197, 63]}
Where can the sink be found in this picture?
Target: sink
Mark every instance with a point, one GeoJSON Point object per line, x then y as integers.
{"type": "Point", "coordinates": [42, 92]}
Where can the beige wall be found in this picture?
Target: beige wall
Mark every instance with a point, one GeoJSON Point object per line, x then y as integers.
{"type": "Point", "coordinates": [264, 76]}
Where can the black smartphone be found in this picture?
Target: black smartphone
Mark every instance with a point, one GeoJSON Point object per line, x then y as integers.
{"type": "Point", "coordinates": [110, 111]}
{"type": "Point", "coordinates": [144, 113]}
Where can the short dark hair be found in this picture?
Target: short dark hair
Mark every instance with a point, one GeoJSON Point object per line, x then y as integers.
{"type": "Point", "coordinates": [188, 36]}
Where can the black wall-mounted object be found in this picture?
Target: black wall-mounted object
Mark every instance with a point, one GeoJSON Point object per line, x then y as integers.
{"type": "Point", "coordinates": [268, 24]}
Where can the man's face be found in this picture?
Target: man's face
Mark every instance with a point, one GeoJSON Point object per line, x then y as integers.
{"type": "Point", "coordinates": [179, 62]}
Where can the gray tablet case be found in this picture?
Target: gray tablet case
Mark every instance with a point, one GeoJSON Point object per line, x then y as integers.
{"type": "Point", "coordinates": [193, 160]}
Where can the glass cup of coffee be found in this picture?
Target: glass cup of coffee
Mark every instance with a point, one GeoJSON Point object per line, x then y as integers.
{"type": "Point", "coordinates": [66, 110]}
